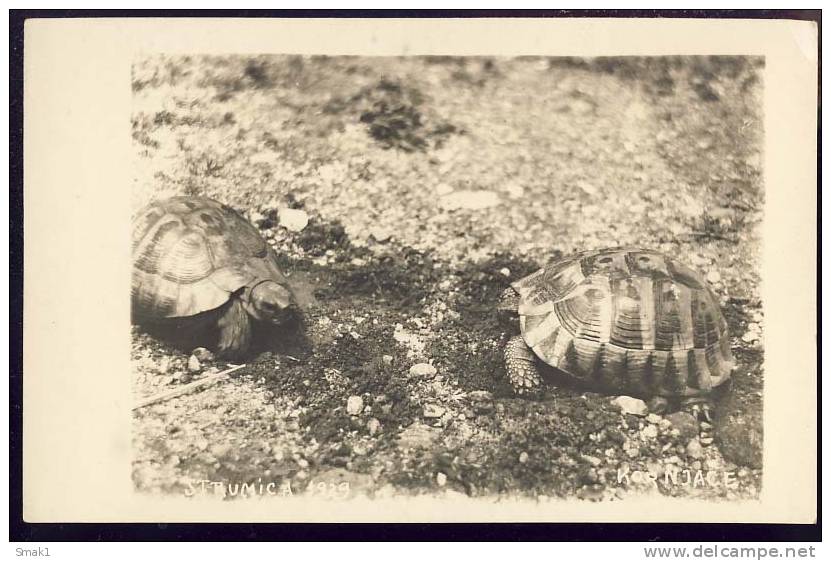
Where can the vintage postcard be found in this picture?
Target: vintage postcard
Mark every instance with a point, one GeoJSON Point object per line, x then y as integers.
{"type": "Point", "coordinates": [420, 270]}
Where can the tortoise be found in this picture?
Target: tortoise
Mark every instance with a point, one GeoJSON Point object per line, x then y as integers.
{"type": "Point", "coordinates": [200, 267]}
{"type": "Point", "coordinates": [622, 320]}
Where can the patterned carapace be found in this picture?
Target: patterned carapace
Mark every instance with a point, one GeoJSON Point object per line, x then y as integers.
{"type": "Point", "coordinates": [626, 318]}
{"type": "Point", "coordinates": [191, 253]}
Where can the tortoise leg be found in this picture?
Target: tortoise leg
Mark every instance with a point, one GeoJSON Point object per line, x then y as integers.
{"type": "Point", "coordinates": [701, 409]}
{"type": "Point", "coordinates": [234, 330]}
{"type": "Point", "coordinates": [521, 364]}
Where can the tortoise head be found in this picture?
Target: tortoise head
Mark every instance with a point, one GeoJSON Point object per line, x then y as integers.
{"type": "Point", "coordinates": [506, 306]}
{"type": "Point", "coordinates": [272, 302]}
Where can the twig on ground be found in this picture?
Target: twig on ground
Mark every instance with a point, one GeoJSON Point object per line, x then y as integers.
{"type": "Point", "coordinates": [185, 389]}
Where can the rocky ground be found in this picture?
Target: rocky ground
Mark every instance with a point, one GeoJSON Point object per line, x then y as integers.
{"type": "Point", "coordinates": [403, 195]}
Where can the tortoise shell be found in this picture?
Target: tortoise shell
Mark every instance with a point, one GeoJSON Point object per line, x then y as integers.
{"type": "Point", "coordinates": [627, 319]}
{"type": "Point", "coordinates": [190, 254]}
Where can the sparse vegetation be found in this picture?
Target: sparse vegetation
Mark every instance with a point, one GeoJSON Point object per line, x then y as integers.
{"type": "Point", "coordinates": [573, 154]}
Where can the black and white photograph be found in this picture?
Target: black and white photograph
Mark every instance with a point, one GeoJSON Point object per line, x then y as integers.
{"type": "Point", "coordinates": [531, 276]}
{"type": "Point", "coordinates": [484, 279]}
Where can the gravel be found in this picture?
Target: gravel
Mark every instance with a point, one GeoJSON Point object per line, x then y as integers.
{"type": "Point", "coordinates": [428, 186]}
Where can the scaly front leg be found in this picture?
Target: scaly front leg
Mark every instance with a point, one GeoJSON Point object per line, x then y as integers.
{"type": "Point", "coordinates": [234, 331]}
{"type": "Point", "coordinates": [521, 364]}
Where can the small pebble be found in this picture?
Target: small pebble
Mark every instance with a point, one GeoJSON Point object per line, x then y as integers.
{"type": "Point", "coordinates": [713, 277]}
{"type": "Point", "coordinates": [293, 219]}
{"type": "Point", "coordinates": [443, 189]}
{"type": "Point", "coordinates": [587, 188]}
{"type": "Point", "coordinates": [422, 370]}
{"type": "Point", "coordinates": [523, 457]}
{"type": "Point", "coordinates": [505, 272]}
{"type": "Point", "coordinates": [631, 405]}
{"type": "Point", "coordinates": [653, 418]}
{"type": "Point", "coordinates": [650, 431]}
{"type": "Point", "coordinates": [373, 425]}
{"type": "Point", "coordinates": [164, 365]}
{"type": "Point", "coordinates": [441, 479]}
{"type": "Point", "coordinates": [387, 359]}
{"type": "Point", "coordinates": [193, 364]}
{"type": "Point", "coordinates": [750, 336]}
{"type": "Point", "coordinates": [354, 405]}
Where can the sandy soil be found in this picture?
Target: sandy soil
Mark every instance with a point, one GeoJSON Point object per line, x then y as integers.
{"type": "Point", "coordinates": [430, 184]}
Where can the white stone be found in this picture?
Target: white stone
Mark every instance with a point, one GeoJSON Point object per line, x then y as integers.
{"type": "Point", "coordinates": [422, 370]}
{"type": "Point", "coordinates": [193, 364]}
{"type": "Point", "coordinates": [587, 188]}
{"type": "Point", "coordinates": [373, 425]}
{"type": "Point", "coordinates": [650, 431]}
{"type": "Point", "coordinates": [631, 405]}
{"type": "Point", "coordinates": [750, 336]}
{"type": "Point", "coordinates": [441, 479]}
{"type": "Point", "coordinates": [354, 405]}
{"type": "Point", "coordinates": [443, 189]}
{"type": "Point", "coordinates": [293, 219]}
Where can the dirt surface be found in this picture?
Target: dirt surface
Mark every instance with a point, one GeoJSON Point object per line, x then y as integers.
{"type": "Point", "coordinates": [429, 184]}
